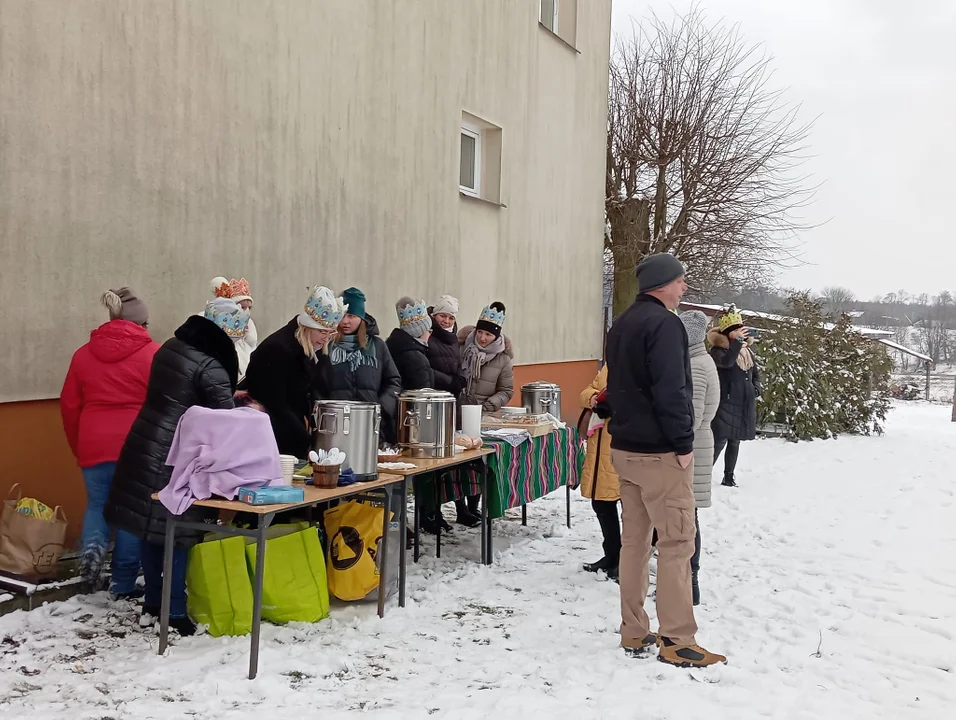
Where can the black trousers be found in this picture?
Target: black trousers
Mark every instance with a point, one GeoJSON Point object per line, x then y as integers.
{"type": "Point", "coordinates": [606, 511]}
{"type": "Point", "coordinates": [730, 458]}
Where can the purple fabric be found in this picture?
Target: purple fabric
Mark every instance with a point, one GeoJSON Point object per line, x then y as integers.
{"type": "Point", "coordinates": [215, 452]}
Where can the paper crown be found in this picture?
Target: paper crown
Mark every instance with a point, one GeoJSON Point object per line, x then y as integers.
{"type": "Point", "coordinates": [232, 320]}
{"type": "Point", "coordinates": [324, 308]}
{"type": "Point", "coordinates": [233, 289]}
{"type": "Point", "coordinates": [495, 317]}
{"type": "Point", "coordinates": [729, 320]}
{"type": "Point", "coordinates": [412, 313]}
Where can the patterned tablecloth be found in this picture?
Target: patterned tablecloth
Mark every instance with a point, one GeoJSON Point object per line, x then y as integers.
{"type": "Point", "coordinates": [520, 475]}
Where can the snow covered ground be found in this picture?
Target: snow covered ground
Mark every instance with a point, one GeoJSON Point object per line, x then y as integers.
{"type": "Point", "coordinates": [829, 579]}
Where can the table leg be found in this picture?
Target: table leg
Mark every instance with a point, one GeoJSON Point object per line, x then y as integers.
{"type": "Point", "coordinates": [485, 520]}
{"type": "Point", "coordinates": [167, 581]}
{"type": "Point", "coordinates": [264, 521]}
{"type": "Point", "coordinates": [438, 516]}
{"type": "Point", "coordinates": [418, 522]}
{"type": "Point", "coordinates": [383, 554]}
{"type": "Point", "coordinates": [524, 514]}
{"type": "Point", "coordinates": [403, 539]}
{"type": "Point", "coordinates": [568, 489]}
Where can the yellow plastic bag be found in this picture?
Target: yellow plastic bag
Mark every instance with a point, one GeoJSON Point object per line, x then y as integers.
{"type": "Point", "coordinates": [31, 507]}
{"type": "Point", "coordinates": [354, 530]}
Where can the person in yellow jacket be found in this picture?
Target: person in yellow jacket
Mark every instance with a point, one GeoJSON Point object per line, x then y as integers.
{"type": "Point", "coordinates": [599, 482]}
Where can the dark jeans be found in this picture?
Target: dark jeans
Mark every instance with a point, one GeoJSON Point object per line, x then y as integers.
{"type": "Point", "coordinates": [152, 556]}
{"type": "Point", "coordinates": [695, 558]}
{"type": "Point", "coordinates": [96, 532]}
{"type": "Point", "coordinates": [730, 459]}
{"type": "Point", "coordinates": [606, 511]}
{"type": "Point", "coordinates": [126, 562]}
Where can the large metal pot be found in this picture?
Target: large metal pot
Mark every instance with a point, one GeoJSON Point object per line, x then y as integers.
{"type": "Point", "coordinates": [426, 423]}
{"type": "Point", "coordinates": [542, 397]}
{"type": "Point", "coordinates": [353, 428]}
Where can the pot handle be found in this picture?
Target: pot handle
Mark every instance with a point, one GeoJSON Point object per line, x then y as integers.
{"type": "Point", "coordinates": [321, 423]}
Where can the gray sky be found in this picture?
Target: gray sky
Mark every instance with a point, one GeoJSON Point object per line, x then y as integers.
{"type": "Point", "coordinates": [881, 76]}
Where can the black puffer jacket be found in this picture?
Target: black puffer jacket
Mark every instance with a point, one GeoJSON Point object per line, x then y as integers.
{"type": "Point", "coordinates": [196, 367]}
{"type": "Point", "coordinates": [287, 383]}
{"type": "Point", "coordinates": [736, 417]}
{"type": "Point", "coordinates": [411, 360]}
{"type": "Point", "coordinates": [444, 355]}
{"type": "Point", "coordinates": [376, 379]}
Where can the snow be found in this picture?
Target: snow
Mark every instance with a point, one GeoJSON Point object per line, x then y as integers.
{"type": "Point", "coordinates": [828, 578]}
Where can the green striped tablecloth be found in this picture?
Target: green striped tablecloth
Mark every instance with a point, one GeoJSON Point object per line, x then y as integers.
{"type": "Point", "coordinates": [520, 475]}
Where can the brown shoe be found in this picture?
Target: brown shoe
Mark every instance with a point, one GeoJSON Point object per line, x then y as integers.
{"type": "Point", "coordinates": [649, 641]}
{"type": "Point", "coordinates": [687, 656]}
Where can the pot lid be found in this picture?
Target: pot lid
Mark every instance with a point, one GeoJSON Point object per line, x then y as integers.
{"type": "Point", "coordinates": [427, 394]}
{"type": "Point", "coordinates": [541, 385]}
{"type": "Point", "coordinates": [341, 404]}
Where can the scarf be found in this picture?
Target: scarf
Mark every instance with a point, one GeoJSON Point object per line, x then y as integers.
{"type": "Point", "coordinates": [348, 351]}
{"type": "Point", "coordinates": [473, 357]}
{"type": "Point", "coordinates": [745, 360]}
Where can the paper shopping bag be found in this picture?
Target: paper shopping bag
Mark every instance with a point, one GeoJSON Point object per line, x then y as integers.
{"type": "Point", "coordinates": [30, 547]}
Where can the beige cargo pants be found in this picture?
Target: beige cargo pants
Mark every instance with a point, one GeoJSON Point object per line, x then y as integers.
{"type": "Point", "coordinates": [656, 492]}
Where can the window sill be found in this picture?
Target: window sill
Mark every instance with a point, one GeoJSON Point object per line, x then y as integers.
{"type": "Point", "coordinates": [482, 200]}
{"type": "Point", "coordinates": [557, 37]}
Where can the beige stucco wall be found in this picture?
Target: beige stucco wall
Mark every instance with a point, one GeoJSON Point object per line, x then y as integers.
{"type": "Point", "coordinates": [158, 143]}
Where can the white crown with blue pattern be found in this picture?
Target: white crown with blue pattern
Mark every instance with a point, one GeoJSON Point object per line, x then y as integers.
{"type": "Point", "coordinates": [323, 310]}
{"type": "Point", "coordinates": [495, 317]}
{"type": "Point", "coordinates": [230, 318]}
{"type": "Point", "coordinates": [412, 313]}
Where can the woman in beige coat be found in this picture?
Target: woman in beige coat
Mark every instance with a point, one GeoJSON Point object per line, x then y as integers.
{"type": "Point", "coordinates": [599, 482]}
{"type": "Point", "coordinates": [706, 402]}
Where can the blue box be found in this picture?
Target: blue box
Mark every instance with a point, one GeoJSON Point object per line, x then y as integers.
{"type": "Point", "coordinates": [271, 495]}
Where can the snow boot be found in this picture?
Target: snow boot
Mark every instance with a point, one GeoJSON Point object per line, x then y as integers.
{"type": "Point", "coordinates": [613, 574]}
{"type": "Point", "coordinates": [603, 564]}
{"type": "Point", "coordinates": [729, 481]}
{"type": "Point", "coordinates": [687, 656]}
{"type": "Point", "coordinates": [149, 617]}
{"type": "Point", "coordinates": [432, 522]}
{"type": "Point", "coordinates": [650, 641]}
{"type": "Point", "coordinates": [184, 626]}
{"type": "Point", "coordinates": [465, 516]}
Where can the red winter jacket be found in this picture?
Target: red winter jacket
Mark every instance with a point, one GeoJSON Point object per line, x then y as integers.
{"type": "Point", "coordinates": [105, 389]}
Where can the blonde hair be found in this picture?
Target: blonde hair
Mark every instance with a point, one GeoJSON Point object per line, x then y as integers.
{"type": "Point", "coordinates": [113, 303]}
{"type": "Point", "coordinates": [302, 336]}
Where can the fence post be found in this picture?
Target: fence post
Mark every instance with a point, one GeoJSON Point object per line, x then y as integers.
{"type": "Point", "coordinates": [927, 364]}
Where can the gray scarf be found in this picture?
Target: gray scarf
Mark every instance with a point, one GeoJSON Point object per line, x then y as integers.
{"type": "Point", "coordinates": [348, 350]}
{"type": "Point", "coordinates": [474, 357]}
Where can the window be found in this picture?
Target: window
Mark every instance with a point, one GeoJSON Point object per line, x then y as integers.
{"type": "Point", "coordinates": [469, 181]}
{"type": "Point", "coordinates": [549, 15]}
{"type": "Point", "coordinates": [479, 170]}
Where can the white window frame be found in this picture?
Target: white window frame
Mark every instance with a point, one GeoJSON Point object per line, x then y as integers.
{"type": "Point", "coordinates": [472, 131]}
{"type": "Point", "coordinates": [554, 18]}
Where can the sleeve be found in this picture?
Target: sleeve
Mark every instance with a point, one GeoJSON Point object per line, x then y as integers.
{"type": "Point", "coordinates": [725, 358]}
{"type": "Point", "coordinates": [216, 386]}
{"type": "Point", "coordinates": [268, 385]}
{"type": "Point", "coordinates": [391, 383]}
{"type": "Point", "coordinates": [449, 383]}
{"type": "Point", "coordinates": [700, 394]}
{"type": "Point", "coordinates": [598, 384]}
{"type": "Point", "coordinates": [757, 380]}
{"type": "Point", "coordinates": [71, 406]}
{"type": "Point", "coordinates": [505, 388]}
{"type": "Point", "coordinates": [668, 384]}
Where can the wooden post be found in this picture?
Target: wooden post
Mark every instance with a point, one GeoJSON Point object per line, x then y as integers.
{"type": "Point", "coordinates": [954, 404]}
{"type": "Point", "coordinates": [927, 364]}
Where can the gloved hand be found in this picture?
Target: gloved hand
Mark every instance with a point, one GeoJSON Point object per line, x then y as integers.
{"type": "Point", "coordinates": [602, 410]}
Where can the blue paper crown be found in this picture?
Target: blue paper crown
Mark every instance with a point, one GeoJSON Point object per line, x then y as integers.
{"type": "Point", "coordinates": [232, 322]}
{"type": "Point", "coordinates": [495, 317]}
{"type": "Point", "coordinates": [412, 313]}
{"type": "Point", "coordinates": [325, 315]}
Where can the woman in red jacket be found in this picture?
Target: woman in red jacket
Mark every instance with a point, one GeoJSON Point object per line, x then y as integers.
{"type": "Point", "coordinates": [104, 390]}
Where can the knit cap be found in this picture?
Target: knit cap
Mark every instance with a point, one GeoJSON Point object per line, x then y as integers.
{"type": "Point", "coordinates": [323, 310]}
{"type": "Point", "coordinates": [227, 314]}
{"type": "Point", "coordinates": [695, 322]}
{"type": "Point", "coordinates": [413, 317]}
{"type": "Point", "coordinates": [446, 304]}
{"type": "Point", "coordinates": [124, 305]}
{"type": "Point", "coordinates": [656, 271]}
{"type": "Point", "coordinates": [355, 299]}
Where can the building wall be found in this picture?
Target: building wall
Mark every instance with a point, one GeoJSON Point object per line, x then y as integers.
{"type": "Point", "coordinates": [158, 143]}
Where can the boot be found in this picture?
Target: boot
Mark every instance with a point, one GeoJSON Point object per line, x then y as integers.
{"type": "Point", "coordinates": [431, 523]}
{"type": "Point", "coordinates": [465, 516]}
{"type": "Point", "coordinates": [473, 505]}
{"type": "Point", "coordinates": [687, 656]}
{"type": "Point", "coordinates": [647, 644]}
{"type": "Point", "coordinates": [148, 617]}
{"type": "Point", "coordinates": [603, 564]}
{"type": "Point", "coordinates": [729, 480]}
{"type": "Point", "coordinates": [184, 626]}
{"type": "Point", "coordinates": [613, 574]}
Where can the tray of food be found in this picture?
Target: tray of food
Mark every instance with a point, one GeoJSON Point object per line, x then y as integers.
{"type": "Point", "coordinates": [506, 419]}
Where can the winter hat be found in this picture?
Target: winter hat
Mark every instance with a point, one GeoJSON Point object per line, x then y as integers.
{"type": "Point", "coordinates": [729, 322]}
{"type": "Point", "coordinates": [656, 271]}
{"type": "Point", "coordinates": [227, 314]}
{"type": "Point", "coordinates": [446, 304]}
{"type": "Point", "coordinates": [695, 322]}
{"type": "Point", "coordinates": [323, 310]}
{"type": "Point", "coordinates": [355, 299]}
{"type": "Point", "coordinates": [492, 318]}
{"type": "Point", "coordinates": [413, 317]}
{"type": "Point", "coordinates": [237, 290]}
{"type": "Point", "coordinates": [124, 305]}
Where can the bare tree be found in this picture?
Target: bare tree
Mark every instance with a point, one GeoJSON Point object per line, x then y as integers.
{"type": "Point", "coordinates": [702, 156]}
{"type": "Point", "coordinates": [837, 300]}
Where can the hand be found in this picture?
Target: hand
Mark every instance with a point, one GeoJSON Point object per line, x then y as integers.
{"type": "Point", "coordinates": [684, 460]}
{"type": "Point", "coordinates": [594, 401]}
{"type": "Point", "coordinates": [740, 334]}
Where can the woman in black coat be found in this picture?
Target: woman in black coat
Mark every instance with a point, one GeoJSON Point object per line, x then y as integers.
{"type": "Point", "coordinates": [408, 345]}
{"type": "Point", "coordinates": [736, 419]}
{"type": "Point", "coordinates": [287, 372]}
{"type": "Point", "coordinates": [361, 367]}
{"type": "Point", "coordinates": [198, 366]}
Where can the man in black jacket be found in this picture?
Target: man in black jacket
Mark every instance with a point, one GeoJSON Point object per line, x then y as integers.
{"type": "Point", "coordinates": [650, 392]}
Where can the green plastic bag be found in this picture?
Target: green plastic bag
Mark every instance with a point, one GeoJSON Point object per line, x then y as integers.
{"type": "Point", "coordinates": [295, 587]}
{"type": "Point", "coordinates": [219, 589]}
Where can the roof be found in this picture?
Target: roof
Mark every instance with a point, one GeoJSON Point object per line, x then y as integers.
{"type": "Point", "coordinates": [902, 348]}
{"type": "Point", "coordinates": [872, 333]}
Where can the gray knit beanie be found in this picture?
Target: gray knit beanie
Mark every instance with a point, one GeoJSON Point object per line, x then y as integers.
{"type": "Point", "coordinates": [413, 317]}
{"type": "Point", "coordinates": [695, 322]}
{"type": "Point", "coordinates": [656, 271]}
{"type": "Point", "coordinates": [124, 305]}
